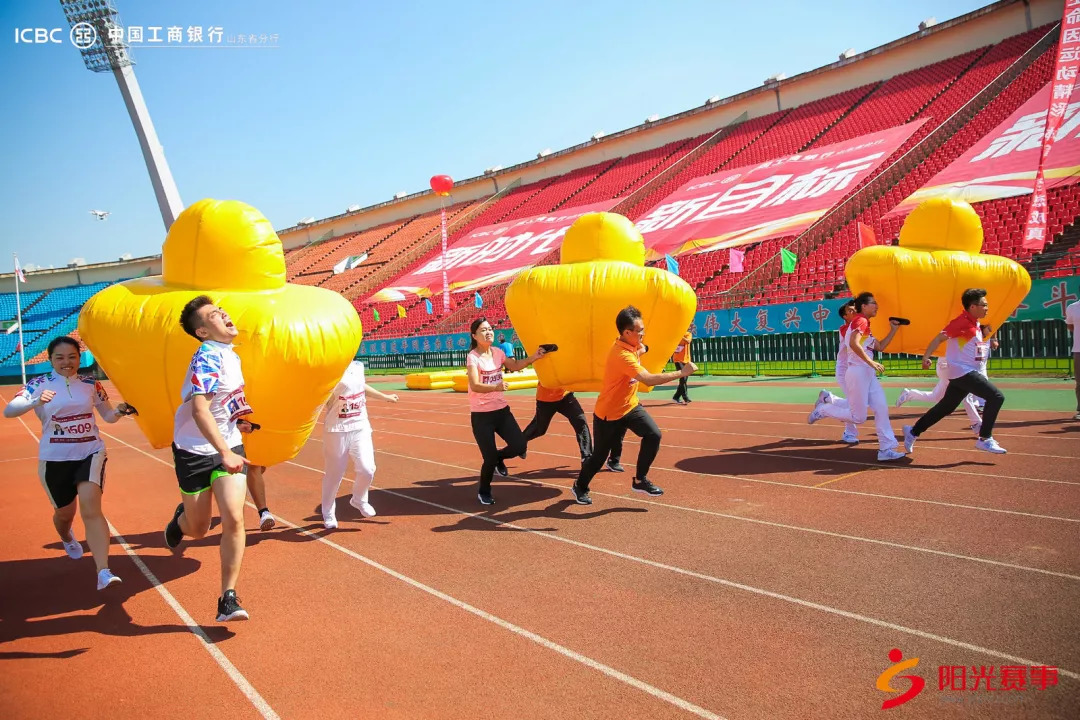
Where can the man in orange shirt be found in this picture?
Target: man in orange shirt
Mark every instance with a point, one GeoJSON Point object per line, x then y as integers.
{"type": "Point", "coordinates": [680, 357]}
{"type": "Point", "coordinates": [617, 409]}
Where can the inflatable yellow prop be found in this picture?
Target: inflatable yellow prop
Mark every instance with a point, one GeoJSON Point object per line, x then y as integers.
{"type": "Point", "coordinates": [574, 304]}
{"type": "Point", "coordinates": [922, 279]}
{"type": "Point", "coordinates": [295, 341]}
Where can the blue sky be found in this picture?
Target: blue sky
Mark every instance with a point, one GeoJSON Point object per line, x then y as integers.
{"type": "Point", "coordinates": [361, 100]}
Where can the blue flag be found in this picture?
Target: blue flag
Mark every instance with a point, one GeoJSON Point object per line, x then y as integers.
{"type": "Point", "coordinates": [427, 304]}
{"type": "Point", "coordinates": [478, 300]}
{"type": "Point", "coordinates": [672, 266]}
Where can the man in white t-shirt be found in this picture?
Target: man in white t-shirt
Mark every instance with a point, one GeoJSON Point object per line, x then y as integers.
{"type": "Point", "coordinates": [966, 350]}
{"type": "Point", "coordinates": [348, 433]}
{"type": "Point", "coordinates": [1072, 320]}
{"type": "Point", "coordinates": [208, 451]}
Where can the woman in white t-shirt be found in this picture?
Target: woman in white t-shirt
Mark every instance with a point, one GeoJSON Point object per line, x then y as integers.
{"type": "Point", "coordinates": [71, 452]}
{"type": "Point", "coordinates": [490, 411]}
{"type": "Point", "coordinates": [348, 433]}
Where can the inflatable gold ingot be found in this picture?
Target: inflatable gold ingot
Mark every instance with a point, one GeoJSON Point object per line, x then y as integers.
{"type": "Point", "coordinates": [922, 280]}
{"type": "Point", "coordinates": [295, 341]}
{"type": "Point", "coordinates": [574, 304]}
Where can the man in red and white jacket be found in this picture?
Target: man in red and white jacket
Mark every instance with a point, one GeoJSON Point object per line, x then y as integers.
{"type": "Point", "coordinates": [965, 353]}
{"type": "Point", "coordinates": [863, 389]}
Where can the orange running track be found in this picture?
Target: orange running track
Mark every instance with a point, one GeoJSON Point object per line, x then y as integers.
{"type": "Point", "coordinates": [770, 581]}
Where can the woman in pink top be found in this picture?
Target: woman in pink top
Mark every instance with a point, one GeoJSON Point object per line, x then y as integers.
{"type": "Point", "coordinates": [490, 411]}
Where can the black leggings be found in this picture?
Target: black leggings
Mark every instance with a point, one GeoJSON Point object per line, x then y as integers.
{"type": "Point", "coordinates": [568, 407]}
{"type": "Point", "coordinates": [959, 388]}
{"type": "Point", "coordinates": [681, 392]}
{"type": "Point", "coordinates": [485, 425]}
{"type": "Point", "coordinates": [608, 432]}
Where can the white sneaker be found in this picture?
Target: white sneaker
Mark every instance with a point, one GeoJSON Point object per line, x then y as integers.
{"type": "Point", "coordinates": [909, 439]}
{"type": "Point", "coordinates": [976, 427]}
{"type": "Point", "coordinates": [364, 507]}
{"type": "Point", "coordinates": [266, 520]}
{"type": "Point", "coordinates": [329, 522]}
{"type": "Point", "coordinates": [824, 397]}
{"type": "Point", "coordinates": [989, 445]}
{"type": "Point", "coordinates": [887, 455]}
{"type": "Point", "coordinates": [1076, 416]}
{"type": "Point", "coordinates": [816, 415]}
{"type": "Point", "coordinates": [905, 395]}
{"type": "Point", "coordinates": [73, 548]}
{"type": "Point", "coordinates": [105, 578]}
{"type": "Point", "coordinates": [850, 439]}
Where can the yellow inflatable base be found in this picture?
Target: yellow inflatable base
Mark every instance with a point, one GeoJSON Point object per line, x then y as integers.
{"type": "Point", "coordinates": [443, 380]}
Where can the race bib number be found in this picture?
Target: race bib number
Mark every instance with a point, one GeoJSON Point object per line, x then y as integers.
{"type": "Point", "coordinates": [493, 377]}
{"type": "Point", "coordinates": [982, 351]}
{"type": "Point", "coordinates": [236, 404]}
{"type": "Point", "coordinates": [73, 429]}
{"type": "Point", "coordinates": [351, 405]}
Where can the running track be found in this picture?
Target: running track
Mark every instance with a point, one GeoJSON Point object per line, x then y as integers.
{"type": "Point", "coordinates": [770, 581]}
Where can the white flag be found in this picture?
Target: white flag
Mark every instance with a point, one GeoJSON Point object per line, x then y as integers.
{"type": "Point", "coordinates": [19, 273]}
{"type": "Point", "coordinates": [349, 263]}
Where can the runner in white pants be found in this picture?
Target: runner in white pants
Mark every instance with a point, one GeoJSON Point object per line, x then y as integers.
{"type": "Point", "coordinates": [864, 391]}
{"type": "Point", "coordinates": [933, 396]}
{"type": "Point", "coordinates": [851, 430]}
{"type": "Point", "coordinates": [348, 433]}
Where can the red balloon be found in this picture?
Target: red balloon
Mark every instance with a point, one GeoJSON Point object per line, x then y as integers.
{"type": "Point", "coordinates": [442, 184]}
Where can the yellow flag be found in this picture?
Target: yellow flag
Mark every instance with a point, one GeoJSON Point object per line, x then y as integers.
{"type": "Point", "coordinates": [400, 311]}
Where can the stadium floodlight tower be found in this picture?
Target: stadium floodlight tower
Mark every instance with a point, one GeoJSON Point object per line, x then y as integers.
{"type": "Point", "coordinates": [97, 32]}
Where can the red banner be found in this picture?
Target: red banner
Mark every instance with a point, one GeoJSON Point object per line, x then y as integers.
{"type": "Point", "coordinates": [1068, 62]}
{"type": "Point", "coordinates": [490, 255]}
{"type": "Point", "coordinates": [776, 198]}
{"type": "Point", "coordinates": [1004, 162]}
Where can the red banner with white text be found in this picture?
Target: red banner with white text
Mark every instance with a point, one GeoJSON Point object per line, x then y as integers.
{"type": "Point", "coordinates": [1004, 162]}
{"type": "Point", "coordinates": [490, 255]}
{"type": "Point", "coordinates": [1068, 62]}
{"type": "Point", "coordinates": [776, 198]}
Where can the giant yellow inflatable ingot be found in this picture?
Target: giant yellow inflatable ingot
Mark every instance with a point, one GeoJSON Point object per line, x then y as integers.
{"type": "Point", "coordinates": [574, 304]}
{"type": "Point", "coordinates": [922, 279]}
{"type": "Point", "coordinates": [295, 341]}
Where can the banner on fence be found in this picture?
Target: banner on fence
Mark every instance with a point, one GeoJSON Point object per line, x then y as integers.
{"type": "Point", "coordinates": [490, 255]}
{"type": "Point", "coordinates": [1046, 301]}
{"type": "Point", "coordinates": [1003, 163]}
{"type": "Point", "coordinates": [772, 199]}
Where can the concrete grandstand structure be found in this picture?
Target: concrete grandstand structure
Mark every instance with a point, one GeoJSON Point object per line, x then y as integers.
{"type": "Point", "coordinates": [962, 77]}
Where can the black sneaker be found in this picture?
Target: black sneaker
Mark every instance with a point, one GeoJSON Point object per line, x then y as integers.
{"type": "Point", "coordinates": [173, 533]}
{"type": "Point", "coordinates": [501, 470]}
{"type": "Point", "coordinates": [485, 497]}
{"type": "Point", "coordinates": [581, 498]}
{"type": "Point", "coordinates": [228, 608]}
{"type": "Point", "coordinates": [644, 485]}
{"type": "Point", "coordinates": [615, 466]}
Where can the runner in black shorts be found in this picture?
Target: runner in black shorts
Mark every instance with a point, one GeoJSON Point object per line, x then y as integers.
{"type": "Point", "coordinates": [71, 452]}
{"type": "Point", "coordinates": [208, 451]}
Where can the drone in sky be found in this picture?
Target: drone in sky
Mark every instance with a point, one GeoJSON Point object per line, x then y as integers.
{"type": "Point", "coordinates": [100, 214]}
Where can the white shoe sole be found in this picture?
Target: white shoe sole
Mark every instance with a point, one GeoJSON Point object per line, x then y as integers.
{"type": "Point", "coordinates": [112, 581]}
{"type": "Point", "coordinates": [365, 508]}
{"type": "Point", "coordinates": [267, 523]}
{"type": "Point", "coordinates": [238, 615]}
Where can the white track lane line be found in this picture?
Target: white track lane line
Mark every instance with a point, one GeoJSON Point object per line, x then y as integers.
{"type": "Point", "coordinates": [799, 486]}
{"type": "Point", "coordinates": [721, 581]}
{"type": "Point", "coordinates": [781, 454]}
{"type": "Point", "coordinates": [235, 675]}
{"type": "Point", "coordinates": [517, 630]}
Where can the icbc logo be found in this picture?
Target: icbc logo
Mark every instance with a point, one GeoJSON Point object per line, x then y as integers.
{"type": "Point", "coordinates": [82, 36]}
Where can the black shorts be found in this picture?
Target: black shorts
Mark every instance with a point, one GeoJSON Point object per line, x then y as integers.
{"type": "Point", "coordinates": [198, 472]}
{"type": "Point", "coordinates": [61, 478]}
